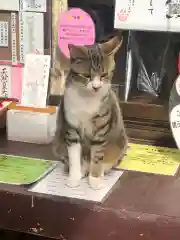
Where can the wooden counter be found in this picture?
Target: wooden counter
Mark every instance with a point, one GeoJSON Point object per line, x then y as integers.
{"type": "Point", "coordinates": [141, 206]}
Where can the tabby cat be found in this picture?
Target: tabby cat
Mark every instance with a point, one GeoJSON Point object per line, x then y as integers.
{"type": "Point", "coordinates": [90, 135]}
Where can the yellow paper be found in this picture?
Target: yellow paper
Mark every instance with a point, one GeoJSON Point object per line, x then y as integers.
{"type": "Point", "coordinates": [151, 159]}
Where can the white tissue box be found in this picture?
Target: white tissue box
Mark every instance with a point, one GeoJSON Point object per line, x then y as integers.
{"type": "Point", "coordinates": [31, 127]}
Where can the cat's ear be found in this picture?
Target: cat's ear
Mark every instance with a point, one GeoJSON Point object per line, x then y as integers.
{"type": "Point", "coordinates": [77, 51]}
{"type": "Point", "coordinates": [112, 46]}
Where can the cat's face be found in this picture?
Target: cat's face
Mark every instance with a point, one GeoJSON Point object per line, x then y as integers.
{"type": "Point", "coordinates": [92, 67]}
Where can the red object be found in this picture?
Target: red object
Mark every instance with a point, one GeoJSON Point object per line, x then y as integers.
{"type": "Point", "coordinates": [179, 64]}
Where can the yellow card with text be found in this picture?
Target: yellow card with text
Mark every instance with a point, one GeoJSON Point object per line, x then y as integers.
{"type": "Point", "coordinates": [151, 159]}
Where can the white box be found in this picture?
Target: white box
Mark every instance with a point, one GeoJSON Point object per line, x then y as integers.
{"type": "Point", "coordinates": [31, 127]}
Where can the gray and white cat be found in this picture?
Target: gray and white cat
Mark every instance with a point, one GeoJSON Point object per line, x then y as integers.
{"type": "Point", "coordinates": [90, 134]}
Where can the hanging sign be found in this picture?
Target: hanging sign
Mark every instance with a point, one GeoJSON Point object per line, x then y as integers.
{"type": "Point", "coordinates": [75, 27]}
{"type": "Point", "coordinates": [174, 111]}
{"type": "Point", "coordinates": [152, 15]}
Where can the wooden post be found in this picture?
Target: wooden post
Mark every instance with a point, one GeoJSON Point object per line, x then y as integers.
{"type": "Point", "coordinates": [57, 83]}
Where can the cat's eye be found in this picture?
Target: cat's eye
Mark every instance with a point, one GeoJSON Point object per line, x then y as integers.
{"type": "Point", "coordinates": [77, 60]}
{"type": "Point", "coordinates": [86, 75]}
{"type": "Point", "coordinates": [104, 75]}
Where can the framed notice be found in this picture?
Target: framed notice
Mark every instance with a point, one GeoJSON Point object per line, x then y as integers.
{"type": "Point", "coordinates": [152, 15]}
{"type": "Point", "coordinates": [33, 5]}
{"type": "Point", "coordinates": [31, 26]}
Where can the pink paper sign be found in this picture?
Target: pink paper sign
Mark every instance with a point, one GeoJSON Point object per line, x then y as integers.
{"type": "Point", "coordinates": [75, 27]}
{"type": "Point", "coordinates": [17, 82]}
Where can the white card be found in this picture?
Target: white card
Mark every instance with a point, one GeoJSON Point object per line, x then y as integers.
{"type": "Point", "coordinates": [175, 124]}
{"type": "Point", "coordinates": [154, 15]}
{"type": "Point", "coordinates": [33, 5]}
{"type": "Point", "coordinates": [3, 34]}
{"type": "Point", "coordinates": [31, 26]}
{"type": "Point", "coordinates": [55, 184]}
{"type": "Point", "coordinates": [9, 5]}
{"type": "Point", "coordinates": [5, 81]}
{"type": "Point", "coordinates": [35, 80]}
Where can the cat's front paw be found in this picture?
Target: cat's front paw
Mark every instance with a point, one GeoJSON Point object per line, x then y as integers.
{"type": "Point", "coordinates": [96, 183]}
{"type": "Point", "coordinates": [73, 182]}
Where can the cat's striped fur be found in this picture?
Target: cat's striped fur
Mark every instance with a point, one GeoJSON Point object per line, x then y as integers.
{"type": "Point", "coordinates": [90, 131]}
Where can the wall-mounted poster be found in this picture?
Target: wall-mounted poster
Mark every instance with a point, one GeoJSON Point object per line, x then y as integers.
{"type": "Point", "coordinates": [9, 5]}
{"type": "Point", "coordinates": [33, 5]}
{"type": "Point", "coordinates": [152, 15]}
{"type": "Point", "coordinates": [31, 26]}
{"type": "Point", "coordinates": [9, 36]}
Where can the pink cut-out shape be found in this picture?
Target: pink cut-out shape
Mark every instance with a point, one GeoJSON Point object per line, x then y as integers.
{"type": "Point", "coordinates": [75, 27]}
{"type": "Point", "coordinates": [17, 73]}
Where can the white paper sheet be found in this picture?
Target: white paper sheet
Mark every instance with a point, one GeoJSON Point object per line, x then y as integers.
{"type": "Point", "coordinates": [154, 15]}
{"type": "Point", "coordinates": [35, 80]}
{"type": "Point", "coordinates": [33, 5]}
{"type": "Point", "coordinates": [55, 184]}
{"type": "Point", "coordinates": [31, 27]}
{"type": "Point", "coordinates": [13, 38]}
{"type": "Point", "coordinates": [3, 34]}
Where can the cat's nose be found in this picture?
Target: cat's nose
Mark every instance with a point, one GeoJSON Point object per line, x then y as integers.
{"type": "Point", "coordinates": [96, 88]}
{"type": "Point", "coordinates": [96, 83]}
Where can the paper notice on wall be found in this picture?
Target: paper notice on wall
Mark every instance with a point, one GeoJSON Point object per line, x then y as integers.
{"type": "Point", "coordinates": [161, 15]}
{"type": "Point", "coordinates": [3, 34]}
{"type": "Point", "coordinates": [33, 5]}
{"type": "Point", "coordinates": [13, 38]}
{"type": "Point", "coordinates": [55, 184]}
{"type": "Point", "coordinates": [9, 5]}
{"type": "Point", "coordinates": [31, 33]}
{"type": "Point", "coordinates": [35, 80]}
{"type": "Point", "coordinates": [5, 81]}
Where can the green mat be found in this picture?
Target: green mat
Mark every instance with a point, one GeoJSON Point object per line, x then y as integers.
{"type": "Point", "coordinates": [23, 170]}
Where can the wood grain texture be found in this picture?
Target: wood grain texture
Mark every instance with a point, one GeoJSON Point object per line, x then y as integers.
{"type": "Point", "coordinates": [141, 206]}
{"type": "Point", "coordinates": [58, 6]}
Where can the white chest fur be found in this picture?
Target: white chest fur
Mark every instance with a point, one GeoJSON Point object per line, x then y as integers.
{"type": "Point", "coordinates": [79, 109]}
